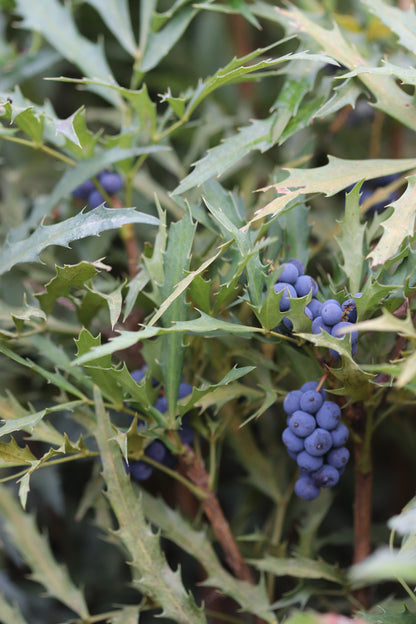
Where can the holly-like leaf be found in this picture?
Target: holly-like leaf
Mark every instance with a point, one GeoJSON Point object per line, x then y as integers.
{"type": "Point", "coordinates": [152, 574]}
{"type": "Point", "coordinates": [115, 14]}
{"type": "Point", "coordinates": [401, 22]}
{"type": "Point", "coordinates": [398, 227]}
{"type": "Point", "coordinates": [67, 277]}
{"type": "Point", "coordinates": [251, 598]}
{"type": "Point", "coordinates": [10, 613]}
{"type": "Point", "coordinates": [300, 567]}
{"type": "Point", "coordinates": [81, 226]}
{"type": "Point", "coordinates": [11, 454]}
{"type": "Point", "coordinates": [55, 22]}
{"type": "Point", "coordinates": [383, 615]}
{"type": "Point", "coordinates": [332, 178]}
{"type": "Point", "coordinates": [36, 552]}
{"type": "Point", "coordinates": [351, 240]}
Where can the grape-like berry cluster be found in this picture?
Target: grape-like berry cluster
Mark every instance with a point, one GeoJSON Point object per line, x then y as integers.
{"type": "Point", "coordinates": [140, 470]}
{"type": "Point", "coordinates": [110, 182]}
{"type": "Point", "coordinates": [335, 318]}
{"type": "Point", "coordinates": [315, 438]}
{"type": "Point", "coordinates": [295, 284]}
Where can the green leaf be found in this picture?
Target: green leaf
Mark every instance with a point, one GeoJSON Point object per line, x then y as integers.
{"type": "Point", "coordinates": [84, 170]}
{"type": "Point", "coordinates": [300, 567]}
{"type": "Point", "coordinates": [152, 575]}
{"type": "Point", "coordinates": [55, 22]}
{"type": "Point", "coordinates": [10, 614]}
{"type": "Point", "coordinates": [383, 565]}
{"type": "Point", "coordinates": [401, 22]}
{"type": "Point", "coordinates": [128, 615]}
{"type": "Point", "coordinates": [251, 598]}
{"type": "Point", "coordinates": [11, 454]}
{"type": "Point", "coordinates": [176, 263]}
{"type": "Point", "coordinates": [351, 240]}
{"type": "Point", "coordinates": [382, 615]}
{"type": "Point", "coordinates": [32, 419]}
{"type": "Point", "coordinates": [205, 325]}
{"type": "Point", "coordinates": [115, 14]}
{"type": "Point", "coordinates": [160, 43]}
{"type": "Point", "coordinates": [405, 522]}
{"type": "Point", "coordinates": [390, 98]}
{"type": "Point", "coordinates": [329, 179]}
{"type": "Point", "coordinates": [81, 226]}
{"type": "Point", "coordinates": [94, 300]}
{"type": "Point", "coordinates": [99, 368]}
{"type": "Point", "coordinates": [397, 227]}
{"type": "Point", "coordinates": [67, 277]}
{"type": "Point", "coordinates": [36, 552]}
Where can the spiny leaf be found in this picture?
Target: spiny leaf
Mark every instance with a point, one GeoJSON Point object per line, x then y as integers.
{"type": "Point", "coordinates": [329, 179]}
{"type": "Point", "coordinates": [153, 576]}
{"type": "Point", "coordinates": [176, 263]}
{"type": "Point", "coordinates": [159, 43]}
{"type": "Point", "coordinates": [55, 22]}
{"type": "Point", "coordinates": [36, 552]}
{"type": "Point", "coordinates": [127, 615]}
{"type": "Point", "coordinates": [81, 226]}
{"type": "Point", "coordinates": [401, 22]}
{"type": "Point", "coordinates": [115, 14]}
{"type": "Point", "coordinates": [205, 325]}
{"type": "Point", "coordinates": [95, 299]}
{"type": "Point", "coordinates": [30, 421]}
{"type": "Point", "coordinates": [398, 226]}
{"type": "Point", "coordinates": [10, 614]}
{"type": "Point", "coordinates": [251, 598]}
{"type": "Point", "coordinates": [11, 454]}
{"type": "Point", "coordinates": [67, 277]}
{"type": "Point", "coordinates": [300, 567]}
{"type": "Point", "coordinates": [389, 96]}
{"type": "Point", "coordinates": [351, 240]}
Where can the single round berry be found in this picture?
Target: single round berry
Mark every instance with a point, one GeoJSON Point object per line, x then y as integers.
{"type": "Point", "coordinates": [292, 441]}
{"type": "Point", "coordinates": [338, 457]}
{"type": "Point", "coordinates": [319, 326]}
{"type": "Point", "coordinates": [302, 424]}
{"type": "Point", "coordinates": [306, 488]}
{"type": "Point", "coordinates": [308, 462]}
{"type": "Point", "coordinates": [311, 401]}
{"type": "Point", "coordinates": [185, 389]}
{"type": "Point", "coordinates": [292, 454]}
{"type": "Point", "coordinates": [304, 285]}
{"type": "Point", "coordinates": [338, 331]}
{"type": "Point", "coordinates": [319, 442]}
{"type": "Point", "coordinates": [312, 385]}
{"type": "Point", "coordinates": [288, 291]}
{"type": "Point", "coordinates": [162, 404]}
{"type": "Point", "coordinates": [83, 190]}
{"type": "Point", "coordinates": [156, 450]}
{"type": "Point", "coordinates": [339, 435]}
{"type": "Point", "coordinates": [315, 307]}
{"type": "Point", "coordinates": [331, 312]}
{"type": "Point", "coordinates": [140, 470]}
{"type": "Point", "coordinates": [289, 273]}
{"type": "Point", "coordinates": [139, 374]}
{"type": "Point", "coordinates": [327, 476]}
{"type": "Point", "coordinates": [287, 323]}
{"type": "Point", "coordinates": [308, 313]}
{"type": "Point", "coordinates": [298, 264]}
{"type": "Point", "coordinates": [95, 199]}
{"type": "Point", "coordinates": [291, 401]}
{"type": "Point", "coordinates": [111, 182]}
{"type": "Point", "coordinates": [328, 416]}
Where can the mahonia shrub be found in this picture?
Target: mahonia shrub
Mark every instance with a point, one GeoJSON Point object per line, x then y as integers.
{"type": "Point", "coordinates": [207, 316]}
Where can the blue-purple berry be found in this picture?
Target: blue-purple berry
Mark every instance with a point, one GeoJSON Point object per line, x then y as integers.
{"type": "Point", "coordinates": [302, 424]}
{"type": "Point", "coordinates": [298, 264]}
{"type": "Point", "coordinates": [311, 401]}
{"type": "Point", "coordinates": [83, 190]}
{"type": "Point", "coordinates": [306, 488]}
{"type": "Point", "coordinates": [95, 199]}
{"type": "Point", "coordinates": [331, 312]}
{"type": "Point", "coordinates": [291, 401]}
{"type": "Point", "coordinates": [288, 291]}
{"type": "Point", "coordinates": [328, 416]}
{"type": "Point", "coordinates": [318, 326]}
{"type": "Point", "coordinates": [292, 441]}
{"type": "Point", "coordinates": [338, 457]}
{"type": "Point", "coordinates": [319, 442]}
{"type": "Point", "coordinates": [327, 476]}
{"type": "Point", "coordinates": [111, 182]}
{"type": "Point", "coordinates": [289, 273]}
{"type": "Point", "coordinates": [339, 435]}
{"type": "Point", "coordinates": [309, 462]}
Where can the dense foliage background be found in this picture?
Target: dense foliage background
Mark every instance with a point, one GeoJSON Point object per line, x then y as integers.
{"type": "Point", "coordinates": [243, 135]}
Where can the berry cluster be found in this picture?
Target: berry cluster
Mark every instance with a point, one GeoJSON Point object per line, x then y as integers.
{"type": "Point", "coordinates": [140, 470]}
{"type": "Point", "coordinates": [295, 284]}
{"type": "Point", "coordinates": [335, 318]}
{"type": "Point", "coordinates": [110, 182]}
{"type": "Point", "coordinates": [315, 438]}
